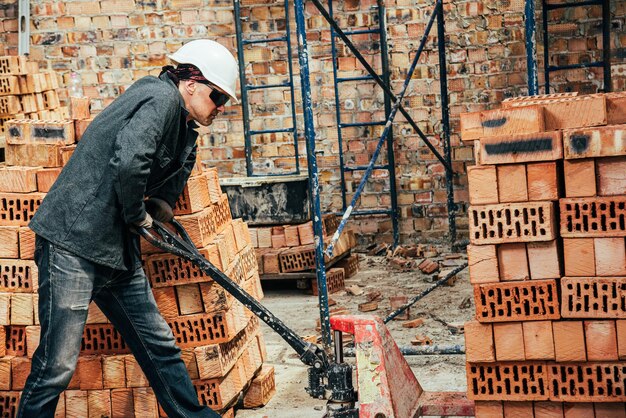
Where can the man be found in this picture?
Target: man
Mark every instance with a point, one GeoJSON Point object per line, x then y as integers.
{"type": "Point", "coordinates": [141, 146]}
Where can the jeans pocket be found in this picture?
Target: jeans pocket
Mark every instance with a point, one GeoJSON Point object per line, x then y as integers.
{"type": "Point", "coordinates": [71, 273]}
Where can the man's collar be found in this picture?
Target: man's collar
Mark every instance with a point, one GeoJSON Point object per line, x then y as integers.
{"type": "Point", "coordinates": [165, 77]}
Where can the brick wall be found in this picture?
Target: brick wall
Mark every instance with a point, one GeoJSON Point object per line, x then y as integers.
{"type": "Point", "coordinates": [113, 42]}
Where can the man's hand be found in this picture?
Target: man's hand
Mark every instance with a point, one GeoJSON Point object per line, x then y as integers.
{"type": "Point", "coordinates": [159, 209]}
{"type": "Point", "coordinates": [145, 223]}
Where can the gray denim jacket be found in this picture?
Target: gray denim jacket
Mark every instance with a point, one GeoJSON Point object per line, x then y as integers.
{"type": "Point", "coordinates": [140, 145]}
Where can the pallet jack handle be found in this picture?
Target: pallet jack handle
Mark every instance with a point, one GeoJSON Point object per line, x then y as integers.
{"type": "Point", "coordinates": [179, 243]}
{"type": "Point", "coordinates": [327, 380]}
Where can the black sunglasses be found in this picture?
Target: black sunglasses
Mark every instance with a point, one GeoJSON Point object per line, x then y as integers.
{"type": "Point", "coordinates": [219, 98]}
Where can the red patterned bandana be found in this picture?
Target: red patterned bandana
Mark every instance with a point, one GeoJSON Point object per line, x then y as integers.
{"type": "Point", "coordinates": [189, 72]}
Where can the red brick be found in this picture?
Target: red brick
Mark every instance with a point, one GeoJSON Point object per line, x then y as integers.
{"type": "Point", "coordinates": [611, 179]}
{"type": "Point", "coordinates": [512, 262]}
{"type": "Point", "coordinates": [488, 409]}
{"type": "Point", "coordinates": [601, 340]}
{"type": "Point", "coordinates": [510, 381]}
{"type": "Point", "coordinates": [603, 141]}
{"type": "Point", "coordinates": [538, 340]}
{"type": "Point", "coordinates": [543, 260]}
{"type": "Point", "coordinates": [479, 345]}
{"type": "Point", "coordinates": [616, 108]}
{"type": "Point", "coordinates": [620, 326]}
{"type": "Point", "coordinates": [122, 402]}
{"type": "Point", "coordinates": [594, 297]}
{"type": "Point", "coordinates": [99, 403]}
{"type": "Point", "coordinates": [502, 122]}
{"type": "Point", "coordinates": [579, 178]}
{"type": "Point", "coordinates": [542, 181]}
{"type": "Point", "coordinates": [548, 410]}
{"type": "Point", "coordinates": [519, 148]}
{"type": "Point", "coordinates": [593, 217]}
{"type": "Point", "coordinates": [512, 183]}
{"type": "Point", "coordinates": [587, 382]}
{"type": "Point", "coordinates": [610, 256]}
{"type": "Point", "coordinates": [516, 301]}
{"type": "Point", "coordinates": [89, 371]}
{"type": "Point", "coordinates": [518, 409]}
{"type": "Point", "coordinates": [482, 184]}
{"type": "Point", "coordinates": [579, 257]}
{"type": "Point", "coordinates": [483, 263]}
{"type": "Point", "coordinates": [509, 341]}
{"type": "Point", "coordinates": [609, 410]}
{"type": "Point", "coordinates": [569, 113]}
{"type": "Point", "coordinates": [569, 341]}
{"type": "Point", "coordinates": [20, 369]}
{"type": "Point", "coordinates": [577, 410]}
{"type": "Point", "coordinates": [512, 222]}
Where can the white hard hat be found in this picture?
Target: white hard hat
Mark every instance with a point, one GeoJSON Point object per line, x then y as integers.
{"type": "Point", "coordinates": [214, 60]}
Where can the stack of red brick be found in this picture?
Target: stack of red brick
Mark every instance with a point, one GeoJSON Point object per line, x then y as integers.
{"type": "Point", "coordinates": [547, 257]}
{"type": "Point", "coordinates": [221, 340]}
{"type": "Point", "coordinates": [291, 249]}
{"type": "Point", "coordinates": [25, 92]}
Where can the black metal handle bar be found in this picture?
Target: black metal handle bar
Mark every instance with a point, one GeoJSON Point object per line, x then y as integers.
{"type": "Point", "coordinates": [180, 244]}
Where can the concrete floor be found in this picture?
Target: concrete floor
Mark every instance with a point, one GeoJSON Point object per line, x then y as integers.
{"type": "Point", "coordinates": [300, 311]}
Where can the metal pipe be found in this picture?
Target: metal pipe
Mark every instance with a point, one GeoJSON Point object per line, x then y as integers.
{"type": "Point", "coordinates": [245, 113]}
{"type": "Point", "coordinates": [445, 122]}
{"type": "Point", "coordinates": [606, 44]}
{"type": "Point", "coordinates": [392, 115]}
{"type": "Point", "coordinates": [425, 350]}
{"type": "Point", "coordinates": [435, 285]}
{"type": "Point", "coordinates": [291, 89]}
{"type": "Point", "coordinates": [576, 66]}
{"type": "Point", "coordinates": [367, 212]}
{"type": "Point", "coordinates": [267, 86]}
{"type": "Point", "coordinates": [338, 344]}
{"type": "Point", "coordinates": [555, 6]}
{"type": "Point", "coordinates": [546, 43]}
{"type": "Point", "coordinates": [378, 80]}
{"type": "Point", "coordinates": [264, 41]}
{"type": "Point", "coordinates": [531, 48]}
{"type": "Point", "coordinates": [23, 27]}
{"type": "Point", "coordinates": [391, 159]}
{"type": "Point", "coordinates": [342, 174]}
{"type": "Point", "coordinates": [314, 187]}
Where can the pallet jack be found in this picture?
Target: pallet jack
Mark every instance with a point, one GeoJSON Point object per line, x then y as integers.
{"type": "Point", "coordinates": [387, 387]}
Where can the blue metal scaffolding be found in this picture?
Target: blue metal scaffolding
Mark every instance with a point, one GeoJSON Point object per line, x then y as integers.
{"type": "Point", "coordinates": [381, 32]}
{"type": "Point", "coordinates": [393, 105]}
{"type": "Point", "coordinates": [245, 88]}
{"type": "Point", "coordinates": [437, 14]}
{"type": "Point", "coordinates": [531, 43]}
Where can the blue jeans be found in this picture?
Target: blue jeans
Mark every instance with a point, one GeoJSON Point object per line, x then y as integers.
{"type": "Point", "coordinates": [67, 284]}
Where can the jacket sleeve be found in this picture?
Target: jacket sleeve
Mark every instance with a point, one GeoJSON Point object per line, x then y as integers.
{"type": "Point", "coordinates": [135, 147]}
{"type": "Point", "coordinates": [172, 189]}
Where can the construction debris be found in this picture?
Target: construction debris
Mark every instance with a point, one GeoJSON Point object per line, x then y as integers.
{"type": "Point", "coordinates": [368, 306]}
{"type": "Point", "coordinates": [396, 303]}
{"type": "Point", "coordinates": [421, 340]}
{"type": "Point", "coordinates": [428, 266]}
{"type": "Point", "coordinates": [379, 249]}
{"type": "Point", "coordinates": [414, 323]}
{"type": "Point", "coordinates": [456, 328]}
{"type": "Point", "coordinates": [402, 264]}
{"type": "Point", "coordinates": [375, 295]}
{"type": "Point", "coordinates": [354, 290]}
{"type": "Point", "coordinates": [443, 273]}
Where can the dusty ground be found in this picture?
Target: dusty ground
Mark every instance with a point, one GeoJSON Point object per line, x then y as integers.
{"type": "Point", "coordinates": [447, 304]}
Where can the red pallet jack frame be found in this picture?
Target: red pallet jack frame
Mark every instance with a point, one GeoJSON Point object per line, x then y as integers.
{"type": "Point", "coordinates": [386, 384]}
